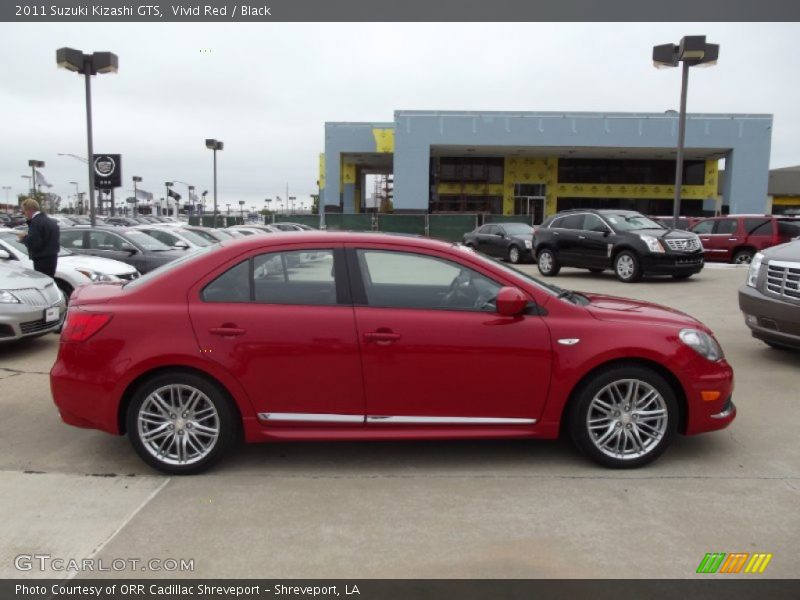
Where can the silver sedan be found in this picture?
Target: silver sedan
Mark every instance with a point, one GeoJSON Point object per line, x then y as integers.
{"type": "Point", "coordinates": [30, 303]}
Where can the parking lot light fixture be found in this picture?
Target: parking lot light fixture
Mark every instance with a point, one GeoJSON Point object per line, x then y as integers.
{"type": "Point", "coordinates": [88, 65]}
{"type": "Point", "coordinates": [693, 51]}
{"type": "Point", "coordinates": [214, 145]}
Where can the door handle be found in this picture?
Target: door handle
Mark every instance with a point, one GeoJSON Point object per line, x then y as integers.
{"type": "Point", "coordinates": [556, 233]}
{"type": "Point", "coordinates": [226, 331]}
{"type": "Point", "coordinates": [581, 237]}
{"type": "Point", "coordinates": [381, 337]}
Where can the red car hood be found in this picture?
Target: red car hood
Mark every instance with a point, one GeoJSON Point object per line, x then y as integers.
{"type": "Point", "coordinates": [611, 308]}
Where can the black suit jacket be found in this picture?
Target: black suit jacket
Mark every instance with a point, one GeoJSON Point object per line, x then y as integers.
{"type": "Point", "coordinates": [44, 237]}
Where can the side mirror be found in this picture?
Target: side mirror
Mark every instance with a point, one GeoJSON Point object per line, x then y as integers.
{"type": "Point", "coordinates": [4, 255]}
{"type": "Point", "coordinates": [181, 244]}
{"type": "Point", "coordinates": [606, 233]}
{"type": "Point", "coordinates": [510, 301]}
{"type": "Point", "coordinates": [126, 247]}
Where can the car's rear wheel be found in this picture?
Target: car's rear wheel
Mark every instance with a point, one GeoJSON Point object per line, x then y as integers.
{"type": "Point", "coordinates": [627, 267]}
{"type": "Point", "coordinates": [624, 417]}
{"type": "Point", "coordinates": [743, 257]}
{"type": "Point", "coordinates": [514, 255]}
{"type": "Point", "coordinates": [180, 423]}
{"type": "Point", "coordinates": [548, 263]}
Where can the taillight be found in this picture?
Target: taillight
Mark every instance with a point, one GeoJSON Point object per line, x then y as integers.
{"type": "Point", "coordinates": [81, 325]}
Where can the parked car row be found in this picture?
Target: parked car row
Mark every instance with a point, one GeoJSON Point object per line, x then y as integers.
{"type": "Point", "coordinates": [631, 244]}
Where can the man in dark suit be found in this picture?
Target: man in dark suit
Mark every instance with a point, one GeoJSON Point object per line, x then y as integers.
{"type": "Point", "coordinates": [43, 239]}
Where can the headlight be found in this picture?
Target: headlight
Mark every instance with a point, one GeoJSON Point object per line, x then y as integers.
{"type": "Point", "coordinates": [96, 276]}
{"type": "Point", "coordinates": [652, 243]}
{"type": "Point", "coordinates": [702, 343]}
{"type": "Point", "coordinates": [7, 297]}
{"type": "Point", "coordinates": [755, 265]}
{"type": "Point", "coordinates": [528, 244]}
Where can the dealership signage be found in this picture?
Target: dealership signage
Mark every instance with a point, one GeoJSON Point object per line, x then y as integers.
{"type": "Point", "coordinates": [107, 171]}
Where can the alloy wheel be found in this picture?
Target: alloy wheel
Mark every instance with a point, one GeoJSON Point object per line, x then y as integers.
{"type": "Point", "coordinates": [627, 419]}
{"type": "Point", "coordinates": [178, 424]}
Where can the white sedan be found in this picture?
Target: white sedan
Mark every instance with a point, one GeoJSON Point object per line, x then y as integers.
{"type": "Point", "coordinates": [72, 269]}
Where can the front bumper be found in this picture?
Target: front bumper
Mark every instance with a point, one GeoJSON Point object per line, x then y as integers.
{"type": "Point", "coordinates": [769, 318]}
{"type": "Point", "coordinates": [673, 263]}
{"type": "Point", "coordinates": [18, 321]}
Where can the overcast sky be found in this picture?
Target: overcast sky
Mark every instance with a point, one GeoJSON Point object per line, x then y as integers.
{"type": "Point", "coordinates": [267, 89]}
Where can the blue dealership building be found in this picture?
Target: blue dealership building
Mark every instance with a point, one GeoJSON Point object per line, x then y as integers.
{"type": "Point", "coordinates": [537, 163]}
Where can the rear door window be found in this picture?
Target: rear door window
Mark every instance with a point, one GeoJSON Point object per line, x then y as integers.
{"type": "Point", "coordinates": [726, 226]}
{"type": "Point", "coordinates": [758, 226]}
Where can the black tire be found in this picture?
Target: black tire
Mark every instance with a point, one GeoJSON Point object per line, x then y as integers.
{"type": "Point", "coordinates": [596, 271]}
{"type": "Point", "coordinates": [743, 257]}
{"type": "Point", "coordinates": [213, 410]}
{"type": "Point", "coordinates": [547, 261]}
{"type": "Point", "coordinates": [680, 276]}
{"type": "Point", "coordinates": [66, 288]}
{"type": "Point", "coordinates": [628, 267]}
{"type": "Point", "coordinates": [514, 255]}
{"type": "Point", "coordinates": [654, 432]}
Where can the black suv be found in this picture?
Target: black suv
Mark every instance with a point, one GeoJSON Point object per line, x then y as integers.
{"type": "Point", "coordinates": [623, 240]}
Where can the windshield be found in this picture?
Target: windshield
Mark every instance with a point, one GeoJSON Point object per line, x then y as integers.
{"type": "Point", "coordinates": [552, 289]}
{"type": "Point", "coordinates": [164, 269]}
{"type": "Point", "coordinates": [146, 242]}
{"type": "Point", "coordinates": [518, 229]}
{"type": "Point", "coordinates": [631, 222]}
{"type": "Point", "coordinates": [192, 236]}
{"type": "Point", "coordinates": [12, 240]}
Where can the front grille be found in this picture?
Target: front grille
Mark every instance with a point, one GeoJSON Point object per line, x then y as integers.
{"type": "Point", "coordinates": [783, 279]}
{"type": "Point", "coordinates": [684, 245]}
{"type": "Point", "coordinates": [36, 297]}
{"type": "Point", "coordinates": [34, 326]}
{"type": "Point", "coordinates": [698, 260]}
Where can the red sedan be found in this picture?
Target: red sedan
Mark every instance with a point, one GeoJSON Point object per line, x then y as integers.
{"type": "Point", "coordinates": [341, 336]}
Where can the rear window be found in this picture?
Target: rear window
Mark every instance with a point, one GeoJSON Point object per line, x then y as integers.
{"type": "Point", "coordinates": [758, 226]}
{"type": "Point", "coordinates": [789, 228]}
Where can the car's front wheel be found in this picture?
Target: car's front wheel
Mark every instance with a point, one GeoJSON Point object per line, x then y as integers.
{"type": "Point", "coordinates": [180, 423]}
{"type": "Point", "coordinates": [627, 267]}
{"type": "Point", "coordinates": [514, 255]}
{"type": "Point", "coordinates": [624, 417]}
{"type": "Point", "coordinates": [548, 263]}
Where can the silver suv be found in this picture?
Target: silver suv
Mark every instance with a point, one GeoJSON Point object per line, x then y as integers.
{"type": "Point", "coordinates": [770, 299]}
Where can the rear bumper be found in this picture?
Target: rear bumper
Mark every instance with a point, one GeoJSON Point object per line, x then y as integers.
{"type": "Point", "coordinates": [770, 319]}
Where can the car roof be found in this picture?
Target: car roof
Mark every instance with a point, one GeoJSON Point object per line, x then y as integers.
{"type": "Point", "coordinates": [341, 237]}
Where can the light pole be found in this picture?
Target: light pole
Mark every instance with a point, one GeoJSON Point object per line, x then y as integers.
{"type": "Point", "coordinates": [136, 179]}
{"type": "Point", "coordinates": [241, 210]}
{"type": "Point", "coordinates": [168, 185]}
{"type": "Point", "coordinates": [77, 197]}
{"type": "Point", "coordinates": [291, 200]}
{"type": "Point", "coordinates": [8, 204]}
{"type": "Point", "coordinates": [229, 208]}
{"type": "Point", "coordinates": [190, 189]}
{"type": "Point", "coordinates": [88, 65]}
{"type": "Point", "coordinates": [214, 145]}
{"type": "Point", "coordinates": [692, 51]}
{"type": "Point", "coordinates": [35, 164]}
